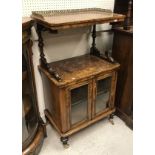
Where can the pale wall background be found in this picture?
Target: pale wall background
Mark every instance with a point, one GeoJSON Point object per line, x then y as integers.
{"type": "Point", "coordinates": [68, 43]}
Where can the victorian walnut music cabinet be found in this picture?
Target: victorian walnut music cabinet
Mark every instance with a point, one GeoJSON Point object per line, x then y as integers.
{"type": "Point", "coordinates": [78, 91]}
{"type": "Point", "coordinates": [33, 128]}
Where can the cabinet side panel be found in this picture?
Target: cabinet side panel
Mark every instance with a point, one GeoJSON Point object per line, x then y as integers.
{"type": "Point", "coordinates": [128, 89]}
{"type": "Point", "coordinates": [122, 49]}
{"type": "Point", "coordinates": [64, 110]}
{"type": "Point", "coordinates": [51, 97]}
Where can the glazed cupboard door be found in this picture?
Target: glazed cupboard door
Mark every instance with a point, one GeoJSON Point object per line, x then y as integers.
{"type": "Point", "coordinates": [104, 90]}
{"type": "Point", "coordinates": [29, 112]}
{"type": "Point", "coordinates": [80, 103]}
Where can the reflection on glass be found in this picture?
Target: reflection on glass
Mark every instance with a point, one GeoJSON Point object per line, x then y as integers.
{"type": "Point", "coordinates": [103, 92]}
{"type": "Point", "coordinates": [79, 99]}
{"type": "Point", "coordinates": [29, 118]}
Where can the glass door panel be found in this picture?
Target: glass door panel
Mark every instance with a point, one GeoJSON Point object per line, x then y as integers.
{"type": "Point", "coordinates": [79, 104]}
{"type": "Point", "coordinates": [103, 94]}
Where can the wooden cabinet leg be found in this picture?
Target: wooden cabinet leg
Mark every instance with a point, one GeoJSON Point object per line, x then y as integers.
{"type": "Point", "coordinates": [47, 121]}
{"type": "Point", "coordinates": [64, 141]}
{"type": "Point", "coordinates": [111, 119]}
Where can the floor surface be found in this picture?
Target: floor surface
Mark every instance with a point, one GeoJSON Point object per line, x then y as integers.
{"type": "Point", "coordinates": [101, 138]}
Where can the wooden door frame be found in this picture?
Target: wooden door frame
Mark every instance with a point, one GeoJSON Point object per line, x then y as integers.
{"type": "Point", "coordinates": [89, 103]}
{"type": "Point", "coordinates": [113, 75]}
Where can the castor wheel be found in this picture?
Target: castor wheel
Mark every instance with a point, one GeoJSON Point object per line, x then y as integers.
{"type": "Point", "coordinates": [66, 146]}
{"type": "Point", "coordinates": [111, 119]}
{"type": "Point", "coordinates": [64, 141]}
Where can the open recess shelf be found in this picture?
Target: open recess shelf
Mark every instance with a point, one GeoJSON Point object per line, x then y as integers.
{"type": "Point", "coordinates": [53, 20]}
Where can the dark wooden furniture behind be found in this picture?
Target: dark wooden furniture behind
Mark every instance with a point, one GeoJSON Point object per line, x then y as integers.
{"type": "Point", "coordinates": [84, 96]}
{"type": "Point", "coordinates": [125, 7]}
{"type": "Point", "coordinates": [33, 128]}
{"type": "Point", "coordinates": [123, 53]}
{"type": "Point", "coordinates": [81, 90]}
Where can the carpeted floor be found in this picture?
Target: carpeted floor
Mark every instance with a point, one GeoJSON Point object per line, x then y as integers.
{"type": "Point", "coordinates": [102, 138]}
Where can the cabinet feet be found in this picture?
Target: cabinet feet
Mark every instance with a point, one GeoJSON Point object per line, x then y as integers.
{"type": "Point", "coordinates": [64, 141]}
{"type": "Point", "coordinates": [111, 119]}
{"type": "Point", "coordinates": [47, 121]}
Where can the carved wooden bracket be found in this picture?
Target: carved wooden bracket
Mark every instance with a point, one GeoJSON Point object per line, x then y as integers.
{"type": "Point", "coordinates": [108, 57]}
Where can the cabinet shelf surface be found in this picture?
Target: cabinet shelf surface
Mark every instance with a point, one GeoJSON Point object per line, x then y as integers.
{"type": "Point", "coordinates": [76, 68]}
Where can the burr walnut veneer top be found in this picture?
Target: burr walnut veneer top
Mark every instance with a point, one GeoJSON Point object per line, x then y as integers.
{"type": "Point", "coordinates": [77, 68]}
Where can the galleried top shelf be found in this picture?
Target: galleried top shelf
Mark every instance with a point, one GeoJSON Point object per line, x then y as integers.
{"type": "Point", "coordinates": [61, 19]}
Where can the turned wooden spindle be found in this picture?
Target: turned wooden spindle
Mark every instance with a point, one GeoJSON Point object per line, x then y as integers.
{"type": "Point", "coordinates": [43, 60]}
{"type": "Point", "coordinates": [93, 49]}
{"type": "Point", "coordinates": [127, 22]}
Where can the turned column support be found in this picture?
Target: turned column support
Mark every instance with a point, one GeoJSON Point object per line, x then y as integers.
{"type": "Point", "coordinates": [96, 52]}
{"type": "Point", "coordinates": [127, 22]}
{"type": "Point", "coordinates": [93, 49]}
{"type": "Point", "coordinates": [43, 60]}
